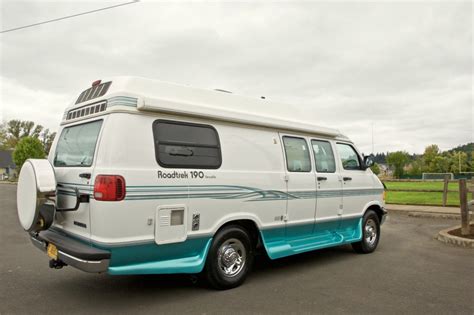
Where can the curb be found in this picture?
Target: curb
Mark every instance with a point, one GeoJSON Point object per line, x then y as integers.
{"type": "Point", "coordinates": [423, 214]}
{"type": "Point", "coordinates": [8, 183]}
{"type": "Point", "coordinates": [445, 237]}
{"type": "Point", "coordinates": [432, 215]}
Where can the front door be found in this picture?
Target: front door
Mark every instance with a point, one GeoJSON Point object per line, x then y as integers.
{"type": "Point", "coordinates": [301, 188]}
{"type": "Point", "coordinates": [357, 189]}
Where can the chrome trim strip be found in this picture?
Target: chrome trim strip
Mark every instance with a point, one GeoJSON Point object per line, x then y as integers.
{"type": "Point", "coordinates": [78, 259]}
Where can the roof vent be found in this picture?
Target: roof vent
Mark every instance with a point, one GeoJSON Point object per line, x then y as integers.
{"type": "Point", "coordinates": [96, 90]}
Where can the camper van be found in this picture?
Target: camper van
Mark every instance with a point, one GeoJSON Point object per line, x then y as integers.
{"type": "Point", "coordinates": [147, 177]}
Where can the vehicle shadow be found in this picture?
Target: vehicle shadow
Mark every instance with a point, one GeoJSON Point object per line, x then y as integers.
{"type": "Point", "coordinates": [162, 286]}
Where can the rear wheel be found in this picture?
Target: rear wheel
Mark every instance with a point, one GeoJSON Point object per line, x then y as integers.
{"type": "Point", "coordinates": [370, 234]}
{"type": "Point", "coordinates": [230, 258]}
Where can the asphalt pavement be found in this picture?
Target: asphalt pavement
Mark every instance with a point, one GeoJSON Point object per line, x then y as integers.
{"type": "Point", "coordinates": [410, 273]}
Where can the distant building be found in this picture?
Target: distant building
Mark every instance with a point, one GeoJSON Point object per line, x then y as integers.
{"type": "Point", "coordinates": [7, 166]}
{"type": "Point", "coordinates": [385, 170]}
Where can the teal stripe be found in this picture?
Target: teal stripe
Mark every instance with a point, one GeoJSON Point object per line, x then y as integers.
{"type": "Point", "coordinates": [224, 192]}
{"type": "Point", "coordinates": [122, 101]}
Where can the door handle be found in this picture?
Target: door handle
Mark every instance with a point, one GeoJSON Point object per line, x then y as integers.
{"type": "Point", "coordinates": [347, 178]}
{"type": "Point", "coordinates": [85, 175]}
{"type": "Point", "coordinates": [320, 178]}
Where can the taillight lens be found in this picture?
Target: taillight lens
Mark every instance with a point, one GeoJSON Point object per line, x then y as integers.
{"type": "Point", "coordinates": [109, 188]}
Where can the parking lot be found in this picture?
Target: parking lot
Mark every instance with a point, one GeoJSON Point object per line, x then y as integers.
{"type": "Point", "coordinates": [410, 272]}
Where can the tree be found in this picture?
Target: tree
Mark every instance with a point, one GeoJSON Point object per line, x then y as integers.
{"type": "Point", "coordinates": [458, 162]}
{"type": "Point", "coordinates": [415, 167]}
{"type": "Point", "coordinates": [398, 160]}
{"type": "Point", "coordinates": [429, 157]}
{"type": "Point", "coordinates": [47, 139]}
{"type": "Point", "coordinates": [18, 129]}
{"type": "Point", "coordinates": [375, 169]}
{"type": "Point", "coordinates": [3, 137]}
{"type": "Point", "coordinates": [28, 148]}
{"type": "Point", "coordinates": [441, 164]}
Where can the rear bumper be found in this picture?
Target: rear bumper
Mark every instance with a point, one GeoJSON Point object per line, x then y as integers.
{"type": "Point", "coordinates": [72, 252]}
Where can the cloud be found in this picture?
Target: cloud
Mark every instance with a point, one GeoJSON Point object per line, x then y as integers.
{"type": "Point", "coordinates": [405, 67]}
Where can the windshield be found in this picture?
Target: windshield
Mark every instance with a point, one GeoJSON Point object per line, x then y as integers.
{"type": "Point", "coordinates": [76, 145]}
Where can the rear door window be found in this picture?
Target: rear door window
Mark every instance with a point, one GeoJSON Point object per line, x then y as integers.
{"type": "Point", "coordinates": [323, 156]}
{"type": "Point", "coordinates": [76, 145]}
{"type": "Point", "coordinates": [186, 145]}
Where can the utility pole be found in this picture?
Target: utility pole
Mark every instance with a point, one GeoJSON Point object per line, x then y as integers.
{"type": "Point", "coordinates": [373, 137]}
{"type": "Point", "coordinates": [459, 154]}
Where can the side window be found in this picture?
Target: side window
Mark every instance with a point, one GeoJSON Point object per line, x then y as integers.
{"type": "Point", "coordinates": [297, 154]}
{"type": "Point", "coordinates": [323, 156]}
{"type": "Point", "coordinates": [349, 157]}
{"type": "Point", "coordinates": [186, 145]}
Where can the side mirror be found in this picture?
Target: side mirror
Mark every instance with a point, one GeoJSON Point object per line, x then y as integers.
{"type": "Point", "coordinates": [368, 161]}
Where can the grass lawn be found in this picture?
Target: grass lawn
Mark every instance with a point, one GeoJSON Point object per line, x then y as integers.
{"type": "Point", "coordinates": [420, 185]}
{"type": "Point", "coordinates": [421, 198]}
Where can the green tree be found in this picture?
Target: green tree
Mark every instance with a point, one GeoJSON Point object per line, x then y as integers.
{"type": "Point", "coordinates": [3, 137]}
{"type": "Point", "coordinates": [28, 148]}
{"type": "Point", "coordinates": [398, 160]}
{"type": "Point", "coordinates": [429, 158]}
{"type": "Point", "coordinates": [441, 164]}
{"type": "Point", "coordinates": [375, 169]}
{"type": "Point", "coordinates": [415, 167]}
{"type": "Point", "coordinates": [17, 129]}
{"type": "Point", "coordinates": [458, 162]}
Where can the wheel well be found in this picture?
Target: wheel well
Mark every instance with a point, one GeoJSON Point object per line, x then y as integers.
{"type": "Point", "coordinates": [378, 210]}
{"type": "Point", "coordinates": [250, 226]}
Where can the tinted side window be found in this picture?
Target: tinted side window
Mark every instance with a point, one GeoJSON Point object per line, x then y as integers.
{"type": "Point", "coordinates": [297, 154]}
{"type": "Point", "coordinates": [349, 157]}
{"type": "Point", "coordinates": [323, 156]}
{"type": "Point", "coordinates": [186, 145]}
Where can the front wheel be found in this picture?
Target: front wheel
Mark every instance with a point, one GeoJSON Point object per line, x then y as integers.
{"type": "Point", "coordinates": [370, 234]}
{"type": "Point", "coordinates": [230, 258]}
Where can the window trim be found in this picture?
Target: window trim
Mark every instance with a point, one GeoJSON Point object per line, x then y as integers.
{"type": "Point", "coordinates": [286, 156]}
{"type": "Point", "coordinates": [333, 156]}
{"type": "Point", "coordinates": [95, 148]}
{"type": "Point", "coordinates": [185, 123]}
{"type": "Point", "coordinates": [358, 157]}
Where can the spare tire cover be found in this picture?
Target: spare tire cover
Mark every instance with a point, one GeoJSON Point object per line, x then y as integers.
{"type": "Point", "coordinates": [36, 180]}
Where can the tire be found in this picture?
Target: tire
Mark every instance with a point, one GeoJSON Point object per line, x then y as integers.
{"type": "Point", "coordinates": [370, 234]}
{"type": "Point", "coordinates": [230, 245]}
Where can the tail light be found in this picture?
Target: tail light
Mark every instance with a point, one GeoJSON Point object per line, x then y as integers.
{"type": "Point", "coordinates": [109, 188]}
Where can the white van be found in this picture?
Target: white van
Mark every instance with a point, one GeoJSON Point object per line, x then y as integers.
{"type": "Point", "coordinates": [147, 177]}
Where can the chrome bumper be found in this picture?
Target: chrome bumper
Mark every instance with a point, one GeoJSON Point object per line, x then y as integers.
{"type": "Point", "coordinates": [87, 265]}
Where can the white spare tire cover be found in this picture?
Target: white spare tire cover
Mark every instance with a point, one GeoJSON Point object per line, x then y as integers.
{"type": "Point", "coordinates": [36, 181]}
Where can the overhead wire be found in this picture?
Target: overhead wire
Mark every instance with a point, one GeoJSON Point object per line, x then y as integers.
{"type": "Point", "coordinates": [68, 17]}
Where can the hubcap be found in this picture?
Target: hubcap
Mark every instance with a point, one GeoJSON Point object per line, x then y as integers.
{"type": "Point", "coordinates": [370, 232]}
{"type": "Point", "coordinates": [231, 257]}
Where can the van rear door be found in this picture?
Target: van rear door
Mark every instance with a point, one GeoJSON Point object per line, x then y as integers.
{"type": "Point", "coordinates": [73, 162]}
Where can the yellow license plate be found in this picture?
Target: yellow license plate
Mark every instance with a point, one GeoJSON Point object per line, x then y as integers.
{"type": "Point", "coordinates": [52, 251]}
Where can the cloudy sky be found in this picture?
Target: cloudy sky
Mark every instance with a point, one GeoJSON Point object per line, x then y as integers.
{"type": "Point", "coordinates": [404, 67]}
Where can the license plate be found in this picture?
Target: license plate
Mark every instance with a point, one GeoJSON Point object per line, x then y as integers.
{"type": "Point", "coordinates": [52, 251]}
